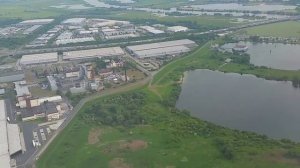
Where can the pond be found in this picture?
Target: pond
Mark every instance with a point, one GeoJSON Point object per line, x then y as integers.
{"type": "Point", "coordinates": [243, 102]}
{"type": "Point", "coordinates": [241, 7]}
{"type": "Point", "coordinates": [272, 55]}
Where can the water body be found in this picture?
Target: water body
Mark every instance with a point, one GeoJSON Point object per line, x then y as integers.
{"type": "Point", "coordinates": [74, 6]}
{"type": "Point", "coordinates": [273, 55]}
{"type": "Point", "coordinates": [241, 7]}
{"type": "Point", "coordinates": [243, 102]}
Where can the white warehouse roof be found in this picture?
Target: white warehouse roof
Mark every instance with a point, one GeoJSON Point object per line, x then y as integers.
{"type": "Point", "coordinates": [39, 58]}
{"type": "Point", "coordinates": [21, 88]}
{"type": "Point", "coordinates": [161, 45]}
{"type": "Point", "coordinates": [152, 30]}
{"type": "Point", "coordinates": [37, 21]}
{"type": "Point", "coordinates": [178, 29]}
{"type": "Point", "coordinates": [14, 142]}
{"type": "Point", "coordinates": [93, 53]}
{"type": "Point", "coordinates": [162, 51]}
{"type": "Point", "coordinates": [4, 153]}
{"type": "Point", "coordinates": [74, 21]}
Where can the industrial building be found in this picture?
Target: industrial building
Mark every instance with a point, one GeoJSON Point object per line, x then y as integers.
{"type": "Point", "coordinates": [21, 89]}
{"type": "Point", "coordinates": [104, 22]}
{"type": "Point", "coordinates": [36, 22]}
{"type": "Point", "coordinates": [11, 76]}
{"type": "Point", "coordinates": [173, 50]}
{"type": "Point", "coordinates": [48, 110]}
{"type": "Point", "coordinates": [161, 49]}
{"type": "Point", "coordinates": [34, 102]}
{"type": "Point", "coordinates": [93, 53]}
{"type": "Point", "coordinates": [119, 32]}
{"type": "Point", "coordinates": [177, 29]}
{"type": "Point", "coordinates": [10, 140]}
{"type": "Point", "coordinates": [74, 21]}
{"type": "Point", "coordinates": [152, 30]}
{"type": "Point", "coordinates": [34, 59]}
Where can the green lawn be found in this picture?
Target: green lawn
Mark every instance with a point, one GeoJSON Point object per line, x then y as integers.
{"type": "Point", "coordinates": [160, 135]}
{"type": "Point", "coordinates": [283, 29]}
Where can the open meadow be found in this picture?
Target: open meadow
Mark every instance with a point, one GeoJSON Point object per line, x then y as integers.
{"type": "Point", "coordinates": [290, 29]}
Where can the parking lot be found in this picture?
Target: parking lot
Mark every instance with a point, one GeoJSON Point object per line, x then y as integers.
{"type": "Point", "coordinates": [34, 137]}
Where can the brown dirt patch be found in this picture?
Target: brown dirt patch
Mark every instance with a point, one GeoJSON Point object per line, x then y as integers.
{"type": "Point", "coordinates": [94, 136]}
{"type": "Point", "coordinates": [278, 157]}
{"type": "Point", "coordinates": [134, 145]}
{"type": "Point", "coordinates": [118, 163]}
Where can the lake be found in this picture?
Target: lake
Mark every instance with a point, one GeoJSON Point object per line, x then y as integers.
{"type": "Point", "coordinates": [243, 102]}
{"type": "Point", "coordinates": [273, 55]}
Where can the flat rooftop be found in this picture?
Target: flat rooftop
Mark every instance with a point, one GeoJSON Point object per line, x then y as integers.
{"type": "Point", "coordinates": [101, 52]}
{"type": "Point", "coordinates": [161, 45]}
{"type": "Point", "coordinates": [37, 21]}
{"type": "Point", "coordinates": [21, 88]}
{"type": "Point", "coordinates": [162, 51]}
{"type": "Point", "coordinates": [39, 58]}
{"type": "Point", "coordinates": [4, 152]}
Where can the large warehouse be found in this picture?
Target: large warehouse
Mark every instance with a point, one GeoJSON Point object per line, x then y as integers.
{"type": "Point", "coordinates": [11, 76]}
{"type": "Point", "coordinates": [93, 53]}
{"type": "Point", "coordinates": [10, 141]}
{"type": "Point", "coordinates": [43, 58]}
{"type": "Point", "coordinates": [36, 22]}
{"type": "Point", "coordinates": [161, 49]}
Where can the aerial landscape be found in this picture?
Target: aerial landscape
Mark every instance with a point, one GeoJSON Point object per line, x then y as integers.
{"type": "Point", "coordinates": [150, 84]}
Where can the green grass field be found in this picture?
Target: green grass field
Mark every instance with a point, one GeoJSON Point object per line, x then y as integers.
{"type": "Point", "coordinates": [162, 136]}
{"type": "Point", "coordinates": [193, 22]}
{"type": "Point", "coordinates": [32, 9]}
{"type": "Point", "coordinates": [283, 29]}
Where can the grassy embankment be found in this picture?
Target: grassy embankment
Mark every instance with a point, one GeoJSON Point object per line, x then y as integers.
{"type": "Point", "coordinates": [142, 128]}
{"type": "Point", "coordinates": [290, 29]}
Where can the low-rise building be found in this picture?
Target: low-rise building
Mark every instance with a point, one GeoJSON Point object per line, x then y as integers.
{"type": "Point", "coordinates": [21, 89]}
{"type": "Point", "coordinates": [152, 30]}
{"type": "Point", "coordinates": [177, 29]}
{"type": "Point", "coordinates": [72, 72]}
{"type": "Point", "coordinates": [2, 91]}
{"type": "Point", "coordinates": [105, 72]}
{"type": "Point", "coordinates": [48, 110]}
{"type": "Point", "coordinates": [118, 32]}
{"type": "Point", "coordinates": [34, 102]}
{"type": "Point", "coordinates": [78, 88]}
